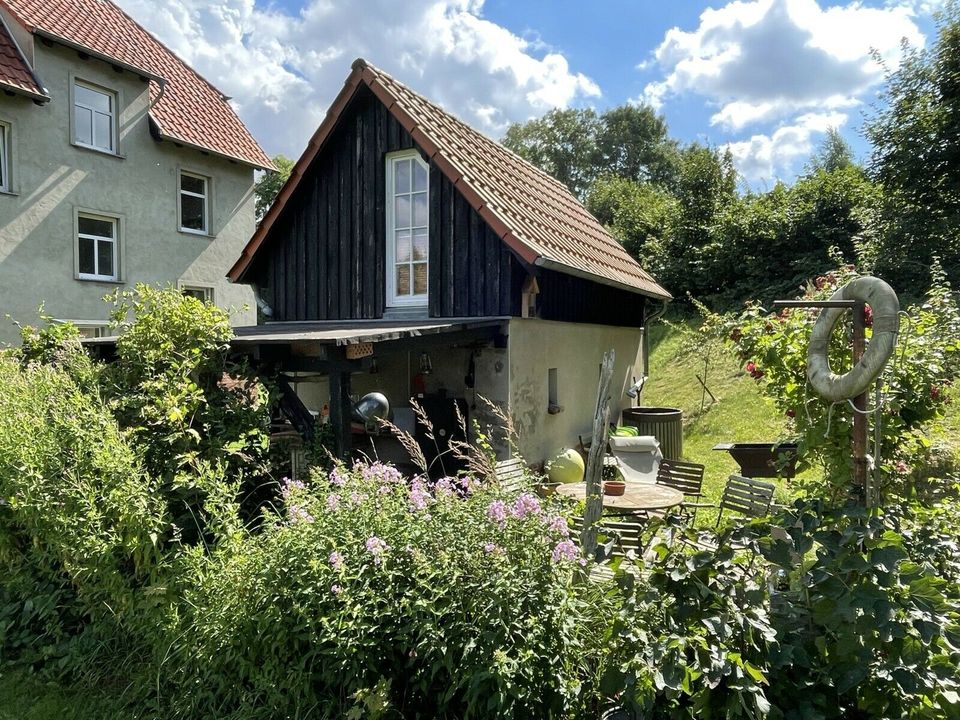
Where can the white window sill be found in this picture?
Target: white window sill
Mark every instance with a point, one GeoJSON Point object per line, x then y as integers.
{"type": "Point", "coordinates": [98, 279]}
{"type": "Point", "coordinates": [11, 193]}
{"type": "Point", "coordinates": [99, 151]}
{"type": "Point", "coordinates": [196, 233]}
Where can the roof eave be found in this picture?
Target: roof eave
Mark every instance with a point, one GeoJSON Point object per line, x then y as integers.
{"type": "Point", "coordinates": [17, 90]}
{"type": "Point", "coordinates": [659, 293]}
{"type": "Point", "coordinates": [79, 47]}
{"type": "Point", "coordinates": [210, 151]}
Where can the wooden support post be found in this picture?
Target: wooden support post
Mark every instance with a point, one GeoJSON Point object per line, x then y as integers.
{"type": "Point", "coordinates": [594, 470]}
{"type": "Point", "coordinates": [340, 411]}
{"type": "Point", "coordinates": [860, 403]}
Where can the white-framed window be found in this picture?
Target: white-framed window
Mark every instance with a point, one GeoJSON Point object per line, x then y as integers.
{"type": "Point", "coordinates": [97, 240]}
{"type": "Point", "coordinates": [94, 117]}
{"type": "Point", "coordinates": [194, 206]}
{"type": "Point", "coordinates": [93, 330]}
{"type": "Point", "coordinates": [408, 229]}
{"type": "Point", "coordinates": [204, 293]}
{"type": "Point", "coordinates": [4, 157]}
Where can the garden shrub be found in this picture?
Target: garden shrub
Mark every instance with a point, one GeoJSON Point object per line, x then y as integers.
{"type": "Point", "coordinates": [365, 592]}
{"type": "Point", "coordinates": [79, 519]}
{"type": "Point", "coordinates": [925, 360]}
{"type": "Point", "coordinates": [198, 417]}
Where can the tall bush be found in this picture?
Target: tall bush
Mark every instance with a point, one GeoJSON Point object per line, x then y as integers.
{"type": "Point", "coordinates": [925, 360]}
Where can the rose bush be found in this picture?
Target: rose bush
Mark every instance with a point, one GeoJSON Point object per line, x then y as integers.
{"type": "Point", "coordinates": [773, 348]}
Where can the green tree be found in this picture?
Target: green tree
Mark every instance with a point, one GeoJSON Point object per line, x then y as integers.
{"type": "Point", "coordinates": [268, 186]}
{"type": "Point", "coordinates": [562, 143]}
{"type": "Point", "coordinates": [916, 157]}
{"type": "Point", "coordinates": [579, 146]}
{"type": "Point", "coordinates": [834, 153]}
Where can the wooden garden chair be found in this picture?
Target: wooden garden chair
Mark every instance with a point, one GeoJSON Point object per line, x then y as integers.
{"type": "Point", "coordinates": [511, 474]}
{"type": "Point", "coordinates": [746, 497]}
{"type": "Point", "coordinates": [687, 477]}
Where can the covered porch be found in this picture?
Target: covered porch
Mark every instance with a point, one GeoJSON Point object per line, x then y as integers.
{"type": "Point", "coordinates": [324, 368]}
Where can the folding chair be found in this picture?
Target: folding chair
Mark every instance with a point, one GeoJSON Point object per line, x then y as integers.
{"type": "Point", "coordinates": [687, 477]}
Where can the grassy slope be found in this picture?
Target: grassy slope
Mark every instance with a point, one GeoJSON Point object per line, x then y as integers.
{"type": "Point", "coordinates": [741, 413]}
{"type": "Point", "coordinates": [24, 697]}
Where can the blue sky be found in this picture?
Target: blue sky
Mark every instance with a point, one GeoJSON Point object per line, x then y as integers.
{"type": "Point", "coordinates": [765, 78]}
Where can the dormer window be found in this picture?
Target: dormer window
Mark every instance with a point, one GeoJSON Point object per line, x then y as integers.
{"type": "Point", "coordinates": [94, 117]}
{"type": "Point", "coordinates": [408, 231]}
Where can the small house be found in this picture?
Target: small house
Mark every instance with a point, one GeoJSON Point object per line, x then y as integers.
{"type": "Point", "coordinates": [411, 255]}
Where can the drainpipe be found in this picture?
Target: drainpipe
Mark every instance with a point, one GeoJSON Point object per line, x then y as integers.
{"type": "Point", "coordinates": [648, 320]}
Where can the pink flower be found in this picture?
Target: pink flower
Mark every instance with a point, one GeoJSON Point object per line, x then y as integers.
{"type": "Point", "coordinates": [559, 526]}
{"type": "Point", "coordinates": [336, 589]}
{"type": "Point", "coordinates": [336, 560]}
{"type": "Point", "coordinates": [336, 478]}
{"type": "Point", "coordinates": [566, 551]}
{"type": "Point", "coordinates": [751, 367]}
{"type": "Point", "coordinates": [526, 504]}
{"type": "Point", "coordinates": [333, 502]}
{"type": "Point", "coordinates": [490, 547]}
{"type": "Point", "coordinates": [376, 547]}
{"type": "Point", "coordinates": [497, 512]}
{"type": "Point", "coordinates": [298, 514]}
{"type": "Point", "coordinates": [443, 487]}
{"type": "Point", "coordinates": [419, 496]}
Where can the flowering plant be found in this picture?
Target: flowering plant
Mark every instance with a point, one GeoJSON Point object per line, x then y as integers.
{"type": "Point", "coordinates": [428, 593]}
{"type": "Point", "coordinates": [773, 348]}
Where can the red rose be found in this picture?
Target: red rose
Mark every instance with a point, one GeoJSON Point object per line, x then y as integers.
{"type": "Point", "coordinates": [751, 368]}
{"type": "Point", "coordinates": [791, 413]}
{"type": "Point", "coordinates": [736, 334]}
{"type": "Point", "coordinates": [868, 316]}
{"type": "Point", "coordinates": [934, 392]}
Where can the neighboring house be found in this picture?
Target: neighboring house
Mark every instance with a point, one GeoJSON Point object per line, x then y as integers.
{"type": "Point", "coordinates": [118, 165]}
{"type": "Point", "coordinates": [410, 254]}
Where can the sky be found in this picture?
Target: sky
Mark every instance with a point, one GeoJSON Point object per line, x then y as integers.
{"type": "Point", "coordinates": [766, 78]}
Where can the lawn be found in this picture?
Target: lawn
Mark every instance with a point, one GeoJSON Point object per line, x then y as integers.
{"type": "Point", "coordinates": [741, 412]}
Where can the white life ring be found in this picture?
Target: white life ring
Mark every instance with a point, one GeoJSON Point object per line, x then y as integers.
{"type": "Point", "coordinates": [886, 324]}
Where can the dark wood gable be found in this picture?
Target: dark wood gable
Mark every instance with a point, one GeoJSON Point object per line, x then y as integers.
{"type": "Point", "coordinates": [326, 256]}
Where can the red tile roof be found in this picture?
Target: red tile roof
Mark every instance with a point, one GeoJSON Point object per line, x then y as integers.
{"type": "Point", "coordinates": [533, 213]}
{"type": "Point", "coordinates": [187, 109]}
{"type": "Point", "coordinates": [15, 73]}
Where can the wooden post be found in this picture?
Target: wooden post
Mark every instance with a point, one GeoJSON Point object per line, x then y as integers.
{"type": "Point", "coordinates": [594, 470]}
{"type": "Point", "coordinates": [860, 403]}
{"type": "Point", "coordinates": [340, 411]}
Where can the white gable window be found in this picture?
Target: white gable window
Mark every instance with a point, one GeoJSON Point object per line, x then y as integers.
{"type": "Point", "coordinates": [94, 117]}
{"type": "Point", "coordinates": [97, 237]}
{"type": "Point", "coordinates": [408, 231]}
{"type": "Point", "coordinates": [194, 203]}
{"type": "Point", "coordinates": [4, 158]}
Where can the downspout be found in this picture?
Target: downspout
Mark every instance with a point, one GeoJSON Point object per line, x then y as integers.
{"type": "Point", "coordinates": [647, 321]}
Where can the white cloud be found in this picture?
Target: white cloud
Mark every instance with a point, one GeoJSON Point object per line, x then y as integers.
{"type": "Point", "coordinates": [284, 70]}
{"type": "Point", "coordinates": [763, 60]}
{"type": "Point", "coordinates": [765, 157]}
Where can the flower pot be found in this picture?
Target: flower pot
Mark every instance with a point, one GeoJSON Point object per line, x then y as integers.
{"type": "Point", "coordinates": [614, 487]}
{"type": "Point", "coordinates": [547, 489]}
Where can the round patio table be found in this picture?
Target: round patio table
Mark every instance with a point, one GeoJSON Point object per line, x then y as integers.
{"type": "Point", "coordinates": [638, 497]}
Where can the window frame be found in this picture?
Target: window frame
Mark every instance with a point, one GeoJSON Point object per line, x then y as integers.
{"type": "Point", "coordinates": [208, 290]}
{"type": "Point", "coordinates": [114, 97]}
{"type": "Point", "coordinates": [207, 196]}
{"type": "Point", "coordinates": [392, 299]}
{"type": "Point", "coordinates": [117, 222]}
{"type": "Point", "coordinates": [5, 185]}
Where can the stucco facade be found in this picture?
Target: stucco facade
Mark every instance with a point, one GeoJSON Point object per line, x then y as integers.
{"type": "Point", "coordinates": [574, 351]}
{"type": "Point", "coordinates": [52, 179]}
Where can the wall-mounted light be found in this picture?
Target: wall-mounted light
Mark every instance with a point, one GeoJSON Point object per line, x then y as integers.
{"type": "Point", "coordinates": [426, 365]}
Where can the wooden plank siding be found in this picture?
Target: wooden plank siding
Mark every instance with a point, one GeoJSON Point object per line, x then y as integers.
{"type": "Point", "coordinates": [327, 254]}
{"type": "Point", "coordinates": [573, 299]}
